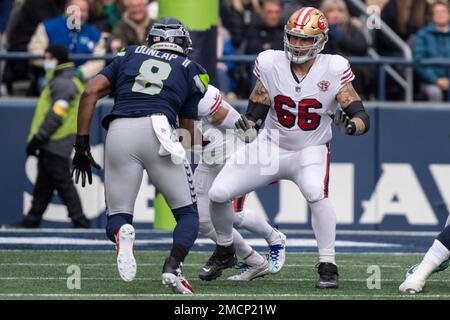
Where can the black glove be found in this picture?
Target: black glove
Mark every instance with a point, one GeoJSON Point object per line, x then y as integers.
{"type": "Point", "coordinates": [246, 129]}
{"type": "Point", "coordinates": [343, 122]}
{"type": "Point", "coordinates": [83, 160]}
{"type": "Point", "coordinates": [33, 146]}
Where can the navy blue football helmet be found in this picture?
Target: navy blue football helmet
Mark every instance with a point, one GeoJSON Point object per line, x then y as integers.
{"type": "Point", "coordinates": [170, 34]}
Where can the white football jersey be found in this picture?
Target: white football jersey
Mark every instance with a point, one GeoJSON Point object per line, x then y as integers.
{"type": "Point", "coordinates": [301, 108]}
{"type": "Point", "coordinates": [218, 143]}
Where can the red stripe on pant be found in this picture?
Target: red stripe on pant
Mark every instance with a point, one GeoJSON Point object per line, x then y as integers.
{"type": "Point", "coordinates": [327, 174]}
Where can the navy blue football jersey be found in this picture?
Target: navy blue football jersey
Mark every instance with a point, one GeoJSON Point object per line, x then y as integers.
{"type": "Point", "coordinates": [145, 81]}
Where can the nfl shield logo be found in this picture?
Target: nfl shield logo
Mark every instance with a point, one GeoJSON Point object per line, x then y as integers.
{"type": "Point", "coordinates": [323, 85]}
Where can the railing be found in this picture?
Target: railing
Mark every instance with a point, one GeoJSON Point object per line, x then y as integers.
{"type": "Point", "coordinates": [407, 83]}
{"type": "Point", "coordinates": [381, 63]}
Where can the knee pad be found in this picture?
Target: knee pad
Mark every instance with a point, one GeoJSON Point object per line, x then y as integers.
{"type": "Point", "coordinates": [205, 227]}
{"type": "Point", "coordinates": [218, 194]}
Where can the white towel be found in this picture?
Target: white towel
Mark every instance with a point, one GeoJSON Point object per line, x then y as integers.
{"type": "Point", "coordinates": [169, 143]}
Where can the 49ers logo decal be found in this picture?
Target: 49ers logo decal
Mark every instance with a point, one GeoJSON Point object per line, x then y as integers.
{"type": "Point", "coordinates": [306, 120]}
{"type": "Point", "coordinates": [322, 23]}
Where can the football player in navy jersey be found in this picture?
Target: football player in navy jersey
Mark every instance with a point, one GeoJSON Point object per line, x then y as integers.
{"type": "Point", "coordinates": [152, 86]}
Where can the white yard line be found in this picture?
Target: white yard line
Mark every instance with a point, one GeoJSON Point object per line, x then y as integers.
{"type": "Point", "coordinates": [220, 295]}
{"type": "Point", "coordinates": [286, 231]}
{"type": "Point", "coordinates": [89, 265]}
{"type": "Point", "coordinates": [265, 279]}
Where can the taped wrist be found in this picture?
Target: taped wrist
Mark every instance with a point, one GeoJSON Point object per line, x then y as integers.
{"type": "Point", "coordinates": [356, 110]}
{"type": "Point", "coordinates": [257, 111]}
{"type": "Point", "coordinates": [231, 118]}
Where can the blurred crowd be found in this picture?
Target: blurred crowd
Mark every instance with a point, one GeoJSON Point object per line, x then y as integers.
{"type": "Point", "coordinates": [245, 27]}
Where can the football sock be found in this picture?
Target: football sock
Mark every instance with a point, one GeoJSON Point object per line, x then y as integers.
{"type": "Point", "coordinates": [222, 218]}
{"type": "Point", "coordinates": [251, 221]}
{"type": "Point", "coordinates": [241, 246]}
{"type": "Point", "coordinates": [444, 237]}
{"type": "Point", "coordinates": [254, 259]}
{"type": "Point", "coordinates": [114, 222]}
{"type": "Point", "coordinates": [437, 254]}
{"type": "Point", "coordinates": [186, 230]}
{"type": "Point", "coordinates": [323, 221]}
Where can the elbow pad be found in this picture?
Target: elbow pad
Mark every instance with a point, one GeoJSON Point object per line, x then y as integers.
{"type": "Point", "coordinates": [356, 110]}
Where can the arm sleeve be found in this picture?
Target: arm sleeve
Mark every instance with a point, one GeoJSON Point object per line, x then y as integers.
{"type": "Point", "coordinates": [198, 85]}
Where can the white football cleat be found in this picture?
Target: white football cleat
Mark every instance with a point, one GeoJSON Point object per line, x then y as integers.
{"type": "Point", "coordinates": [249, 273]}
{"type": "Point", "coordinates": [412, 285]}
{"type": "Point", "coordinates": [126, 263]}
{"type": "Point", "coordinates": [173, 277]}
{"type": "Point", "coordinates": [277, 253]}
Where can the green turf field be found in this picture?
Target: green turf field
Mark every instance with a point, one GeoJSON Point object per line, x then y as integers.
{"type": "Point", "coordinates": [43, 275]}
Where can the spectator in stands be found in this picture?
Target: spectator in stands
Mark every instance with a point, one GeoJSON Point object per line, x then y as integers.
{"type": "Point", "coordinates": [225, 70]}
{"type": "Point", "coordinates": [433, 41]}
{"type": "Point", "coordinates": [83, 38]}
{"type": "Point", "coordinates": [134, 26]}
{"type": "Point", "coordinates": [267, 32]}
{"type": "Point", "coordinates": [405, 17]}
{"type": "Point", "coordinates": [104, 14]}
{"type": "Point", "coordinates": [292, 5]}
{"type": "Point", "coordinates": [237, 15]}
{"type": "Point", "coordinates": [5, 10]}
{"type": "Point", "coordinates": [19, 34]}
{"type": "Point", "coordinates": [52, 136]}
{"type": "Point", "coordinates": [346, 39]}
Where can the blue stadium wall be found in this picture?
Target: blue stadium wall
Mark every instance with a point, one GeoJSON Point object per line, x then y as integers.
{"type": "Point", "coordinates": [397, 177]}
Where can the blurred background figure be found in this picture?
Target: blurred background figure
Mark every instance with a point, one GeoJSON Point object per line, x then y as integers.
{"type": "Point", "coordinates": [405, 17]}
{"type": "Point", "coordinates": [19, 35]}
{"type": "Point", "coordinates": [237, 16]}
{"type": "Point", "coordinates": [225, 70]}
{"type": "Point", "coordinates": [104, 14]}
{"type": "Point", "coordinates": [346, 39]}
{"type": "Point", "coordinates": [433, 41]}
{"type": "Point", "coordinates": [267, 31]}
{"type": "Point", "coordinates": [62, 30]}
{"type": "Point", "coordinates": [52, 136]}
{"type": "Point", "coordinates": [134, 26]}
{"type": "Point", "coordinates": [5, 11]}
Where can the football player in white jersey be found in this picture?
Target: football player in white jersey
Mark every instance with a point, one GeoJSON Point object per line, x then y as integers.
{"type": "Point", "coordinates": [217, 116]}
{"type": "Point", "coordinates": [295, 93]}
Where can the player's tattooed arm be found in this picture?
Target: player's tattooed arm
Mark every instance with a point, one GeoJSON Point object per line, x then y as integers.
{"type": "Point", "coordinates": [258, 105]}
{"type": "Point", "coordinates": [352, 105]}
{"type": "Point", "coordinates": [97, 89]}
{"type": "Point", "coordinates": [260, 94]}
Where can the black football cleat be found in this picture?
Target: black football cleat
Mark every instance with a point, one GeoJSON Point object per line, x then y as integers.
{"type": "Point", "coordinates": [221, 259]}
{"type": "Point", "coordinates": [328, 276]}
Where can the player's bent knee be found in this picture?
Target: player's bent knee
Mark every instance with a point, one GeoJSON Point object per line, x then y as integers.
{"type": "Point", "coordinates": [219, 194]}
{"type": "Point", "coordinates": [314, 193]}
